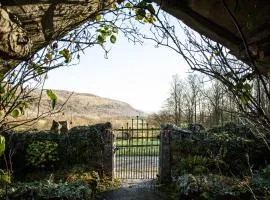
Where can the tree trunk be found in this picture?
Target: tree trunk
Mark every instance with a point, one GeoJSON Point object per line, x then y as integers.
{"type": "Point", "coordinates": [29, 25]}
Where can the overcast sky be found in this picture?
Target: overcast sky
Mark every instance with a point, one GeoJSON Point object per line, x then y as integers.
{"type": "Point", "coordinates": [137, 74]}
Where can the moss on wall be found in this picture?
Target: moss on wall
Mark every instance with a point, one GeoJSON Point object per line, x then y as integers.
{"type": "Point", "coordinates": [81, 148]}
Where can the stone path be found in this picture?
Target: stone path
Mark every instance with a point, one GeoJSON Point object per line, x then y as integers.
{"type": "Point", "coordinates": [133, 190]}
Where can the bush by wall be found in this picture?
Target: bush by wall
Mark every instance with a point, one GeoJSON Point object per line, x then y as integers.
{"type": "Point", "coordinates": [224, 150]}
{"type": "Point", "coordinates": [39, 152]}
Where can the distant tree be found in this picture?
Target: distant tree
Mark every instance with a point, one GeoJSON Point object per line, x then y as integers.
{"type": "Point", "coordinates": [163, 117]}
{"type": "Point", "coordinates": [215, 96]}
{"type": "Point", "coordinates": [214, 60]}
{"type": "Point", "coordinates": [175, 101]}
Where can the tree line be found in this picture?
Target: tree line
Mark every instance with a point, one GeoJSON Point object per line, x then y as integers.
{"type": "Point", "coordinates": [197, 99]}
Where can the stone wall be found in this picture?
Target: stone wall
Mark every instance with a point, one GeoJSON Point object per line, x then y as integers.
{"type": "Point", "coordinates": [86, 147]}
{"type": "Point", "coordinates": [224, 150]}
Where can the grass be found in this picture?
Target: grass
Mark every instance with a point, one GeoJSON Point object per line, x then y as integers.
{"type": "Point", "coordinates": [135, 141]}
{"type": "Point", "coordinates": [137, 147]}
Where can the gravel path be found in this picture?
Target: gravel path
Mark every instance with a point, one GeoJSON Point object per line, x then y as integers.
{"type": "Point", "coordinates": [133, 190]}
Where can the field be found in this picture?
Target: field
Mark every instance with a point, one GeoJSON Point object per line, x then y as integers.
{"type": "Point", "coordinates": [141, 144]}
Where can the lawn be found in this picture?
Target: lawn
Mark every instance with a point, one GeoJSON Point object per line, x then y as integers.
{"type": "Point", "coordinates": [137, 147]}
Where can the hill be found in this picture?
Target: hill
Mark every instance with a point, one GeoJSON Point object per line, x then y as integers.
{"type": "Point", "coordinates": [82, 108]}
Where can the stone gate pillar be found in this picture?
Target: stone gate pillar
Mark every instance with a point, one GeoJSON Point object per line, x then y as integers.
{"type": "Point", "coordinates": [108, 157]}
{"type": "Point", "coordinates": [165, 155]}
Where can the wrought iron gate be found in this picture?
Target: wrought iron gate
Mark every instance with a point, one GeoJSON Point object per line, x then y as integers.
{"type": "Point", "coordinates": [136, 151]}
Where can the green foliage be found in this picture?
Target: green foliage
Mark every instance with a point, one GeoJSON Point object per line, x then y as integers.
{"type": "Point", "coordinates": [47, 151]}
{"type": "Point", "coordinates": [145, 12]}
{"type": "Point", "coordinates": [98, 18]}
{"type": "Point", "coordinates": [113, 39]}
{"type": "Point", "coordinates": [77, 190]}
{"type": "Point", "coordinates": [194, 165]}
{"type": "Point", "coordinates": [42, 153]}
{"type": "Point", "coordinates": [10, 102]}
{"type": "Point", "coordinates": [52, 97]}
{"type": "Point", "coordinates": [66, 54]}
{"type": "Point", "coordinates": [266, 173]}
{"type": "Point", "coordinates": [226, 150]}
{"type": "Point", "coordinates": [2, 145]}
{"type": "Point", "coordinates": [4, 176]}
{"type": "Point", "coordinates": [106, 31]}
{"type": "Point", "coordinates": [211, 187]}
{"type": "Point", "coordinates": [94, 181]}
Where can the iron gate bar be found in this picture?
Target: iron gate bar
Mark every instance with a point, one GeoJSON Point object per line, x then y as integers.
{"type": "Point", "coordinates": [139, 129]}
{"type": "Point", "coordinates": [137, 144]}
{"type": "Point", "coordinates": [140, 145]}
{"type": "Point", "coordinates": [137, 151]}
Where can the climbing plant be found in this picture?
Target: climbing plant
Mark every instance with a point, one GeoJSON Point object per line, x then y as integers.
{"type": "Point", "coordinates": [4, 176]}
{"type": "Point", "coordinates": [42, 154]}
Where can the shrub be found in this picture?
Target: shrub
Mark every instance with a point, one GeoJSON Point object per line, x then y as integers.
{"type": "Point", "coordinates": [77, 190]}
{"type": "Point", "coordinates": [194, 165]}
{"type": "Point", "coordinates": [42, 154]}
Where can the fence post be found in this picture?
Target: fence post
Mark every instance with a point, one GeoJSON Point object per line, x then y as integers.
{"type": "Point", "coordinates": [165, 156]}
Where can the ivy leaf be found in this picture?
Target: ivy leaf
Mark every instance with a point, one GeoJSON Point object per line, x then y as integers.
{"type": "Point", "coordinates": [2, 145]}
{"type": "Point", "coordinates": [52, 97]}
{"type": "Point", "coordinates": [113, 39]}
{"type": "Point", "coordinates": [15, 113]}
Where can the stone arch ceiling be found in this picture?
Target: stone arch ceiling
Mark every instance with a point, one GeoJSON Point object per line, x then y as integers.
{"type": "Point", "coordinates": [211, 18]}
{"type": "Point", "coordinates": [208, 17]}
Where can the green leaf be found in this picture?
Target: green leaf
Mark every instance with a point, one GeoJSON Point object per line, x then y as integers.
{"type": "Point", "coordinates": [217, 53]}
{"type": "Point", "coordinates": [151, 9]}
{"type": "Point", "coordinates": [100, 39]}
{"type": "Point", "coordinates": [128, 5]}
{"type": "Point", "coordinates": [114, 7]}
{"type": "Point", "coordinates": [52, 97]}
{"type": "Point", "coordinates": [15, 113]}
{"type": "Point", "coordinates": [49, 56]}
{"type": "Point", "coordinates": [36, 67]}
{"type": "Point", "coordinates": [2, 89]}
{"type": "Point", "coordinates": [247, 86]}
{"type": "Point", "coordinates": [5, 178]}
{"type": "Point", "coordinates": [244, 99]}
{"type": "Point", "coordinates": [114, 30]}
{"type": "Point", "coordinates": [2, 145]}
{"type": "Point", "coordinates": [113, 39]}
{"type": "Point", "coordinates": [98, 18]}
{"type": "Point", "coordinates": [141, 13]}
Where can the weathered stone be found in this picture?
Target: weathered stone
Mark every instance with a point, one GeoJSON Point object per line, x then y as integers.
{"type": "Point", "coordinates": [14, 40]}
{"type": "Point", "coordinates": [165, 156]}
{"type": "Point", "coordinates": [211, 18]}
{"type": "Point", "coordinates": [39, 23]}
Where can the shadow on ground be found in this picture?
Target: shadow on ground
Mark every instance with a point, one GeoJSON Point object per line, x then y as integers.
{"type": "Point", "coordinates": [133, 190]}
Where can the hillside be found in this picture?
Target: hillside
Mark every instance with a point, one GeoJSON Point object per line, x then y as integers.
{"type": "Point", "coordinates": [83, 108]}
{"type": "Point", "coordinates": [87, 105]}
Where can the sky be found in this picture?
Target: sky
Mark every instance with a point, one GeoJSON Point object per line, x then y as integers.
{"type": "Point", "coordinates": [139, 75]}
